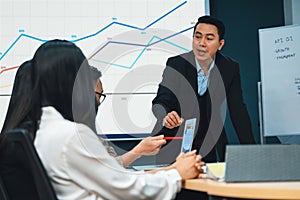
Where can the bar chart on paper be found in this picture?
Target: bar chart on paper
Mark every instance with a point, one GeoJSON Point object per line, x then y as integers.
{"type": "Point", "coordinates": [128, 40]}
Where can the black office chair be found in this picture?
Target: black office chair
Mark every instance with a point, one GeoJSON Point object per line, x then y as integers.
{"type": "Point", "coordinates": [3, 192]}
{"type": "Point", "coordinates": [43, 187]}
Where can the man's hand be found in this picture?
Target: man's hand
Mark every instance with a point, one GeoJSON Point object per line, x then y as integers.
{"type": "Point", "coordinates": [172, 120]}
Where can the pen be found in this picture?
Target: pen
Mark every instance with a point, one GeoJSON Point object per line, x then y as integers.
{"type": "Point", "coordinates": [173, 138]}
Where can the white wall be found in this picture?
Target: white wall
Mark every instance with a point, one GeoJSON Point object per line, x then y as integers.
{"type": "Point", "coordinates": [292, 12]}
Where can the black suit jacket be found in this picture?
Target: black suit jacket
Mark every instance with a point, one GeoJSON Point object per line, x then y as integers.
{"type": "Point", "coordinates": [178, 91]}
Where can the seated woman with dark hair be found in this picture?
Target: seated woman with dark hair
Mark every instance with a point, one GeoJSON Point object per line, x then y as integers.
{"type": "Point", "coordinates": [77, 163]}
{"type": "Point", "coordinates": [13, 168]}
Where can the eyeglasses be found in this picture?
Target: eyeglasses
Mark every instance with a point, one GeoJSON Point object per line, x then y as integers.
{"type": "Point", "coordinates": [101, 97]}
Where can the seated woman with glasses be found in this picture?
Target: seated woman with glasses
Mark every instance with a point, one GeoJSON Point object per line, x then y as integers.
{"type": "Point", "coordinates": [76, 161]}
{"type": "Point", "coordinates": [148, 146]}
{"type": "Point", "coordinates": [100, 96]}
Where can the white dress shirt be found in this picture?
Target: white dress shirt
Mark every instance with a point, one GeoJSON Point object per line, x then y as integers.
{"type": "Point", "coordinates": [79, 166]}
{"type": "Point", "coordinates": [202, 77]}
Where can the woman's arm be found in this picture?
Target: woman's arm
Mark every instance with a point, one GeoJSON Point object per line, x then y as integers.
{"type": "Point", "coordinates": [148, 146]}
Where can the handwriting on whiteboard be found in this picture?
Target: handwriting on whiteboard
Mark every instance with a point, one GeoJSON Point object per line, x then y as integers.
{"type": "Point", "coordinates": [284, 52]}
{"type": "Point", "coordinates": [297, 83]}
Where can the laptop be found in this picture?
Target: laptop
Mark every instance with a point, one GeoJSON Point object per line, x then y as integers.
{"type": "Point", "coordinates": [186, 144]}
{"type": "Point", "coordinates": [255, 163]}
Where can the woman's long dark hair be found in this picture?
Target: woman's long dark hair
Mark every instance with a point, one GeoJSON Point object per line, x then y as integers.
{"type": "Point", "coordinates": [62, 79]}
{"type": "Point", "coordinates": [19, 109]}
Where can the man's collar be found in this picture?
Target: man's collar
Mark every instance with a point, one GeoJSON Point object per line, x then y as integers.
{"type": "Point", "coordinates": [199, 69]}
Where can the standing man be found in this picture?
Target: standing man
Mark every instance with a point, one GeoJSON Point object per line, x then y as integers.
{"type": "Point", "coordinates": [197, 85]}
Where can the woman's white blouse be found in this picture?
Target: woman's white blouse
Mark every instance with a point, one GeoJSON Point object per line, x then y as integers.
{"type": "Point", "coordinates": [80, 167]}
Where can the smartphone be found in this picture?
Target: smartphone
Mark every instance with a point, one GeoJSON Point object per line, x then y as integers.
{"type": "Point", "coordinates": [188, 135]}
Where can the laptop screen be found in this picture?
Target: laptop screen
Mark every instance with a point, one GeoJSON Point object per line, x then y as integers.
{"type": "Point", "coordinates": [271, 162]}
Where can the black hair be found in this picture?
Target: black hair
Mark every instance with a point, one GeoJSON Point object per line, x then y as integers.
{"type": "Point", "coordinates": [213, 21]}
{"type": "Point", "coordinates": [62, 79]}
{"type": "Point", "coordinates": [96, 74]}
{"type": "Point", "coordinates": [19, 108]}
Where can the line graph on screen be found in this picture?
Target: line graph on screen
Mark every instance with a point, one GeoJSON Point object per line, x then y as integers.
{"type": "Point", "coordinates": [118, 37]}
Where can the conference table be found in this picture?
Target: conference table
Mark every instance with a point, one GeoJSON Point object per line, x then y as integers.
{"type": "Point", "coordinates": [248, 190]}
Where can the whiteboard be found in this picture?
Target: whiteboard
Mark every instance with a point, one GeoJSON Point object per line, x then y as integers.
{"type": "Point", "coordinates": [280, 76]}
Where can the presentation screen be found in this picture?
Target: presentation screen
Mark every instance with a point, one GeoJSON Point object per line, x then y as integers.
{"type": "Point", "coordinates": [280, 80]}
{"type": "Point", "coordinates": [128, 40]}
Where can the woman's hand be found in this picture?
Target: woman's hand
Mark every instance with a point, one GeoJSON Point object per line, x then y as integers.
{"type": "Point", "coordinates": [189, 165]}
{"type": "Point", "coordinates": [149, 146]}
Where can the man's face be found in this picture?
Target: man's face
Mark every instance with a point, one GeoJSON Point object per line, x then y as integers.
{"type": "Point", "coordinates": [206, 42]}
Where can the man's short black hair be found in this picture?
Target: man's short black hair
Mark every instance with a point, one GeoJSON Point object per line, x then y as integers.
{"type": "Point", "coordinates": [214, 21]}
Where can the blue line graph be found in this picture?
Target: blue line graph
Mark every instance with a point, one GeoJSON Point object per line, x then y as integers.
{"type": "Point", "coordinates": [143, 50]}
{"type": "Point", "coordinates": [134, 44]}
{"type": "Point", "coordinates": [95, 34]}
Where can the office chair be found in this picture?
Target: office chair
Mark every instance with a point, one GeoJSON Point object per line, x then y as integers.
{"type": "Point", "coordinates": [41, 180]}
{"type": "Point", "coordinates": [3, 192]}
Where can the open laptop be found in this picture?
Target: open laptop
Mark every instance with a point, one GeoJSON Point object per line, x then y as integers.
{"type": "Point", "coordinates": [254, 163]}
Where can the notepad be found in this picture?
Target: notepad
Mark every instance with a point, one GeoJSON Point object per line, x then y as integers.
{"type": "Point", "coordinates": [215, 171]}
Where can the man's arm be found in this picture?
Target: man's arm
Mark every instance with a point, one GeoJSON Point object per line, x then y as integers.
{"type": "Point", "coordinates": [166, 101]}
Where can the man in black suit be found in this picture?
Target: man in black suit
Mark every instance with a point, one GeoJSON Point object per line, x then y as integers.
{"type": "Point", "coordinates": [197, 85]}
